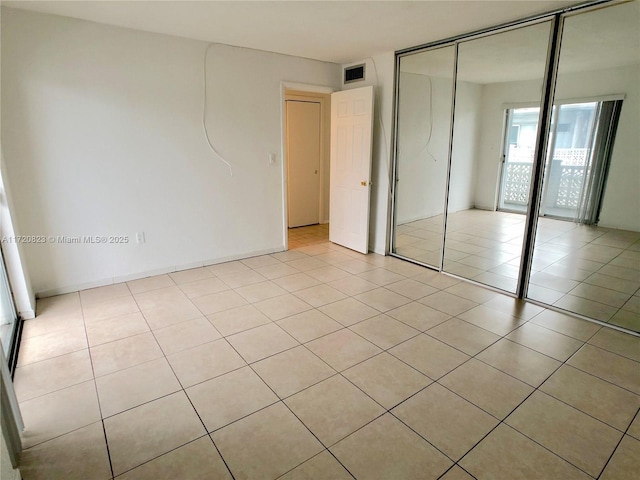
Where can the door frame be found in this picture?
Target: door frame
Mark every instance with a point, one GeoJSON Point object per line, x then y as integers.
{"type": "Point", "coordinates": [322, 95]}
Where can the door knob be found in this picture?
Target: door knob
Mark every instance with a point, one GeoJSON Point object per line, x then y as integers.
{"type": "Point", "coordinates": [364, 184]}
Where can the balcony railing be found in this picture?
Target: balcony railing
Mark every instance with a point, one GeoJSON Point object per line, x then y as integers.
{"type": "Point", "coordinates": [565, 179]}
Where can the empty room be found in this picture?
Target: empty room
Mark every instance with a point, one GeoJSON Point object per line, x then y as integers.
{"type": "Point", "coordinates": [320, 240]}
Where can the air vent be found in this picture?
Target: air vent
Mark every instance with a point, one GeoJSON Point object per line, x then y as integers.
{"type": "Point", "coordinates": [354, 73]}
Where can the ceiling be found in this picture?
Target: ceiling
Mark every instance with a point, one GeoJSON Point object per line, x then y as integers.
{"type": "Point", "coordinates": [332, 31]}
{"type": "Point", "coordinates": [597, 40]}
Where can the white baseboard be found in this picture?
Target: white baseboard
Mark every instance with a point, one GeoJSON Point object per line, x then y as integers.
{"type": "Point", "coordinates": [482, 207]}
{"type": "Point", "coordinates": [418, 217]}
{"type": "Point", "coordinates": [150, 273]}
{"type": "Point", "coordinates": [618, 226]}
{"type": "Point", "coordinates": [244, 256]}
{"type": "Point", "coordinates": [27, 314]}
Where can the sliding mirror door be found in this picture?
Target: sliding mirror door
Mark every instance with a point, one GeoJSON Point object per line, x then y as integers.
{"type": "Point", "coordinates": [497, 104]}
{"type": "Point", "coordinates": [587, 253]}
{"type": "Point", "coordinates": [425, 84]}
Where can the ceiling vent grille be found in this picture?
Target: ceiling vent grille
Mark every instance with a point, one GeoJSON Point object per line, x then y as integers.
{"type": "Point", "coordinates": [354, 73]}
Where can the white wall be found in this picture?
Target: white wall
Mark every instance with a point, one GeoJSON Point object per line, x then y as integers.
{"type": "Point", "coordinates": [621, 205]}
{"type": "Point", "coordinates": [102, 135]}
{"type": "Point", "coordinates": [466, 130]}
{"type": "Point", "coordinates": [381, 162]}
{"type": "Point", "coordinates": [622, 200]}
{"type": "Point", "coordinates": [422, 168]}
{"type": "Point", "coordinates": [421, 189]}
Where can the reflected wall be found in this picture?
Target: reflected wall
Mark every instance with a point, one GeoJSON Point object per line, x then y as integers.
{"type": "Point", "coordinates": [423, 129]}
{"type": "Point", "coordinates": [483, 244]}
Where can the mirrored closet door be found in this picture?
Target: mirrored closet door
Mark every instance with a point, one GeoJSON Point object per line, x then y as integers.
{"type": "Point", "coordinates": [498, 86]}
{"type": "Point", "coordinates": [423, 132]}
{"type": "Point", "coordinates": [587, 250]}
{"type": "Point", "coordinates": [516, 159]}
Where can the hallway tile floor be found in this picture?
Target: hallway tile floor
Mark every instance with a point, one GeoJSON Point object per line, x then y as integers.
{"type": "Point", "coordinates": [321, 363]}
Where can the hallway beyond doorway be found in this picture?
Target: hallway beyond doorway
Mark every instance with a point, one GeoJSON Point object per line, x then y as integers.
{"type": "Point", "coordinates": [309, 235]}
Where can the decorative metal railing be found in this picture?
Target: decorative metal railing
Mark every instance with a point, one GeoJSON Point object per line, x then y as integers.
{"type": "Point", "coordinates": [565, 185]}
{"type": "Point", "coordinates": [515, 188]}
{"type": "Point", "coordinates": [571, 156]}
{"type": "Point", "coordinates": [566, 178]}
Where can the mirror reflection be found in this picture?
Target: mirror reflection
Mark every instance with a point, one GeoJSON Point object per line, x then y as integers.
{"type": "Point", "coordinates": [587, 254]}
{"type": "Point", "coordinates": [423, 124]}
{"type": "Point", "coordinates": [498, 94]}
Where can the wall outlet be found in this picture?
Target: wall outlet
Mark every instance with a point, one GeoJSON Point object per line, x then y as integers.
{"type": "Point", "coordinates": [272, 159]}
{"type": "Point", "coordinates": [140, 237]}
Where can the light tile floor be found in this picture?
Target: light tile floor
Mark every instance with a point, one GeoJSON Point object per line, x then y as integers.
{"type": "Point", "coordinates": [322, 363]}
{"type": "Point", "coordinates": [593, 271]}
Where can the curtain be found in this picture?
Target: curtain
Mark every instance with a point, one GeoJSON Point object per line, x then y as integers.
{"type": "Point", "coordinates": [588, 211]}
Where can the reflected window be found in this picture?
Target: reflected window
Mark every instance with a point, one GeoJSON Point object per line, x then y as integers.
{"type": "Point", "coordinates": [591, 264]}
{"type": "Point", "coordinates": [581, 143]}
{"type": "Point", "coordinates": [583, 252]}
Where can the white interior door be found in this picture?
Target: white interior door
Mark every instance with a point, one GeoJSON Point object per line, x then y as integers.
{"type": "Point", "coordinates": [303, 162]}
{"type": "Point", "coordinates": [351, 143]}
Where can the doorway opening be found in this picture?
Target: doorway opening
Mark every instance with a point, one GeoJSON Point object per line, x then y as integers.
{"type": "Point", "coordinates": [303, 162]}
{"type": "Point", "coordinates": [307, 131]}
{"type": "Point", "coordinates": [345, 145]}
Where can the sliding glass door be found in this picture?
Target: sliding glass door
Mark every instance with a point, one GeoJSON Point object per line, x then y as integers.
{"type": "Point", "coordinates": [571, 190]}
{"type": "Point", "coordinates": [528, 181]}
{"type": "Point", "coordinates": [517, 159]}
{"type": "Point", "coordinates": [8, 317]}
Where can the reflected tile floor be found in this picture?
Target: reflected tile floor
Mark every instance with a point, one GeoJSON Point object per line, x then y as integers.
{"type": "Point", "coordinates": [321, 363]}
{"type": "Point", "coordinates": [592, 271]}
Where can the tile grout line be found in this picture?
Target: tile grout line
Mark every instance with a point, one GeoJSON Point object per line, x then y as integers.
{"type": "Point", "coordinates": [536, 389]}
{"type": "Point", "coordinates": [590, 242]}
{"type": "Point", "coordinates": [183, 390]}
{"type": "Point", "coordinates": [95, 386]}
{"type": "Point", "coordinates": [281, 400]}
{"type": "Point", "coordinates": [383, 350]}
